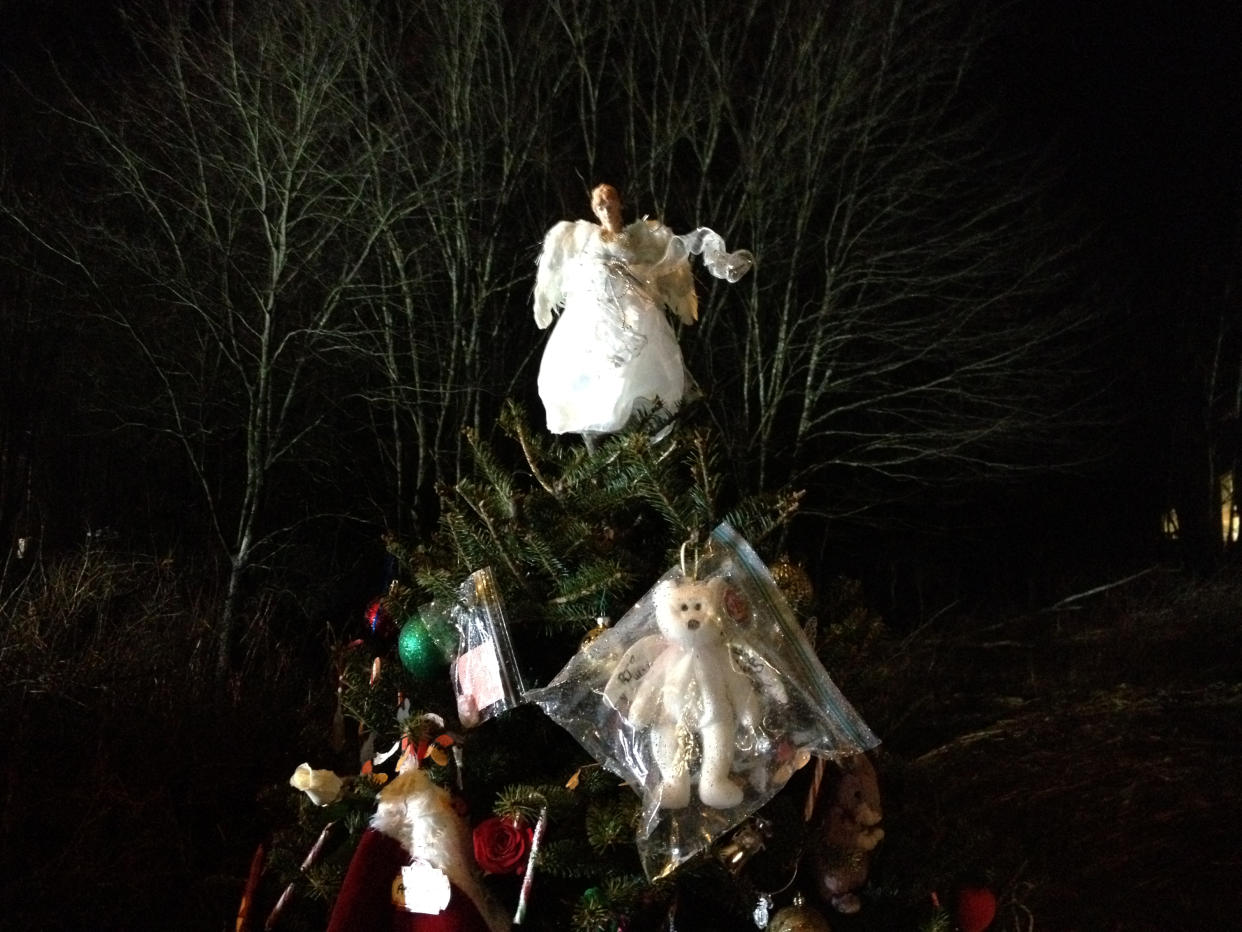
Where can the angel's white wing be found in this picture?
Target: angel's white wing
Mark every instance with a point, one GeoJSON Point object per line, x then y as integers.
{"type": "Point", "coordinates": [560, 244]}
{"type": "Point", "coordinates": [623, 684]}
{"type": "Point", "coordinates": [678, 294]}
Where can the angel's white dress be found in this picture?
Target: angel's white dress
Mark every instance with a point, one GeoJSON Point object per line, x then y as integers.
{"type": "Point", "coordinates": [613, 351]}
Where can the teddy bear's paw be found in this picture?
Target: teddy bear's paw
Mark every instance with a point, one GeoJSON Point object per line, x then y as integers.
{"type": "Point", "coordinates": [868, 839]}
{"type": "Point", "coordinates": [675, 794]}
{"type": "Point", "coordinates": [847, 904]}
{"type": "Point", "coordinates": [720, 795]}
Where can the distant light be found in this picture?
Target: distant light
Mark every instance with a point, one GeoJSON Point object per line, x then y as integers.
{"type": "Point", "coordinates": [1228, 510]}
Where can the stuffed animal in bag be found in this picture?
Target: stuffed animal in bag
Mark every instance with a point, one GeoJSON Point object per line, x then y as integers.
{"type": "Point", "coordinates": [849, 832]}
{"type": "Point", "coordinates": [682, 691]}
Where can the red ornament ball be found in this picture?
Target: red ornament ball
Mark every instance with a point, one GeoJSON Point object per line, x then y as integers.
{"type": "Point", "coordinates": [379, 620]}
{"type": "Point", "coordinates": [975, 908]}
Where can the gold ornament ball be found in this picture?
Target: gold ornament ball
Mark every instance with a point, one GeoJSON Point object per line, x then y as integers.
{"type": "Point", "coordinates": [794, 583]}
{"type": "Point", "coordinates": [799, 918]}
{"type": "Point", "coordinates": [602, 623]}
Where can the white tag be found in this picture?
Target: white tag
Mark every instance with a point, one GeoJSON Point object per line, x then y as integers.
{"type": "Point", "coordinates": [478, 675]}
{"type": "Point", "coordinates": [426, 887]}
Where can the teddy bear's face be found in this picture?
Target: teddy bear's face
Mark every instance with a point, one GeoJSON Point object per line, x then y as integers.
{"type": "Point", "coordinates": [688, 612]}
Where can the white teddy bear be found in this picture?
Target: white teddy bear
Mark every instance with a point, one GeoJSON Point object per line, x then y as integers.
{"type": "Point", "coordinates": [683, 682]}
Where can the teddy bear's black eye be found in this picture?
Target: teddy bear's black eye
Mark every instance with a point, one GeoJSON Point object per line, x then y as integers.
{"type": "Point", "coordinates": [685, 607]}
{"type": "Point", "coordinates": [698, 606]}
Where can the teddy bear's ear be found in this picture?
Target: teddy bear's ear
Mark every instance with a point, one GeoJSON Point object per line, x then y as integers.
{"type": "Point", "coordinates": [665, 591]}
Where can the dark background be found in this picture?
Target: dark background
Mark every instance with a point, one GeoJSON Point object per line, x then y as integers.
{"type": "Point", "coordinates": [1142, 104]}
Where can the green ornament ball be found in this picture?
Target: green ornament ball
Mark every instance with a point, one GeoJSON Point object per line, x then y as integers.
{"type": "Point", "coordinates": [441, 627]}
{"type": "Point", "coordinates": [417, 649]}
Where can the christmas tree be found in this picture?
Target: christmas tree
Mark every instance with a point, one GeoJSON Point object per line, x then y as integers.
{"type": "Point", "coordinates": [695, 767]}
{"type": "Point", "coordinates": [573, 537]}
{"type": "Point", "coordinates": [981, 812]}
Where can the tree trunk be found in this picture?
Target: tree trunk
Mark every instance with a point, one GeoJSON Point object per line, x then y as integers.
{"type": "Point", "coordinates": [228, 617]}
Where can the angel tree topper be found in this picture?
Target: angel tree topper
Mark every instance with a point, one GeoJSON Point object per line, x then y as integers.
{"type": "Point", "coordinates": [682, 683]}
{"type": "Point", "coordinates": [613, 352]}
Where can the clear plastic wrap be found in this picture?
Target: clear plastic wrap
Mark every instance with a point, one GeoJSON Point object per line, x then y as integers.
{"type": "Point", "coordinates": [705, 698]}
{"type": "Point", "coordinates": [485, 674]}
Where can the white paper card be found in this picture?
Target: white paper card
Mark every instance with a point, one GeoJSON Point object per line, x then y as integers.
{"type": "Point", "coordinates": [427, 888]}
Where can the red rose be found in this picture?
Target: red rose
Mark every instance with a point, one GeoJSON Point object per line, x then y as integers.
{"type": "Point", "coordinates": [501, 846]}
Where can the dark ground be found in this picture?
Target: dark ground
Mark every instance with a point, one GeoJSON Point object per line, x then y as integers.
{"type": "Point", "coordinates": [1082, 760]}
{"type": "Point", "coordinates": [1091, 751]}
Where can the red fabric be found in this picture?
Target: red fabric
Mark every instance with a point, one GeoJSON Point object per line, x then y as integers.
{"type": "Point", "coordinates": [365, 901]}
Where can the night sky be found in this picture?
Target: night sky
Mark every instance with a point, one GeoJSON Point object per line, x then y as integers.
{"type": "Point", "coordinates": [1146, 98]}
{"type": "Point", "coordinates": [1142, 98]}
{"type": "Point", "coordinates": [1141, 104]}
{"type": "Point", "coordinates": [1145, 101]}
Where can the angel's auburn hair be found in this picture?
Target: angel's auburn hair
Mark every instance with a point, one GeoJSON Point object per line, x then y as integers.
{"type": "Point", "coordinates": [598, 192]}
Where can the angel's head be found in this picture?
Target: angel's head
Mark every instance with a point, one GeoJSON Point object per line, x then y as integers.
{"type": "Point", "coordinates": [606, 205]}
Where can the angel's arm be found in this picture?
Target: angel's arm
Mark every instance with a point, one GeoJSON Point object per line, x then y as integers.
{"type": "Point", "coordinates": [559, 245]}
{"type": "Point", "coordinates": [673, 281]}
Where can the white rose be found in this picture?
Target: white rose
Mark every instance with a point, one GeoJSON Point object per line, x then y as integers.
{"type": "Point", "coordinates": [322, 786]}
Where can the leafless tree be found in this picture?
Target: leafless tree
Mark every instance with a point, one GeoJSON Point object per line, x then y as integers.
{"type": "Point", "coordinates": [466, 104]}
{"type": "Point", "coordinates": [303, 207]}
{"type": "Point", "coordinates": [238, 210]}
{"type": "Point", "coordinates": [912, 319]}
{"type": "Point", "coordinates": [22, 355]}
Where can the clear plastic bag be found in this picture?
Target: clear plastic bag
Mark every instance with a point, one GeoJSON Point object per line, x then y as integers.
{"type": "Point", "coordinates": [485, 675]}
{"type": "Point", "coordinates": [705, 698]}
